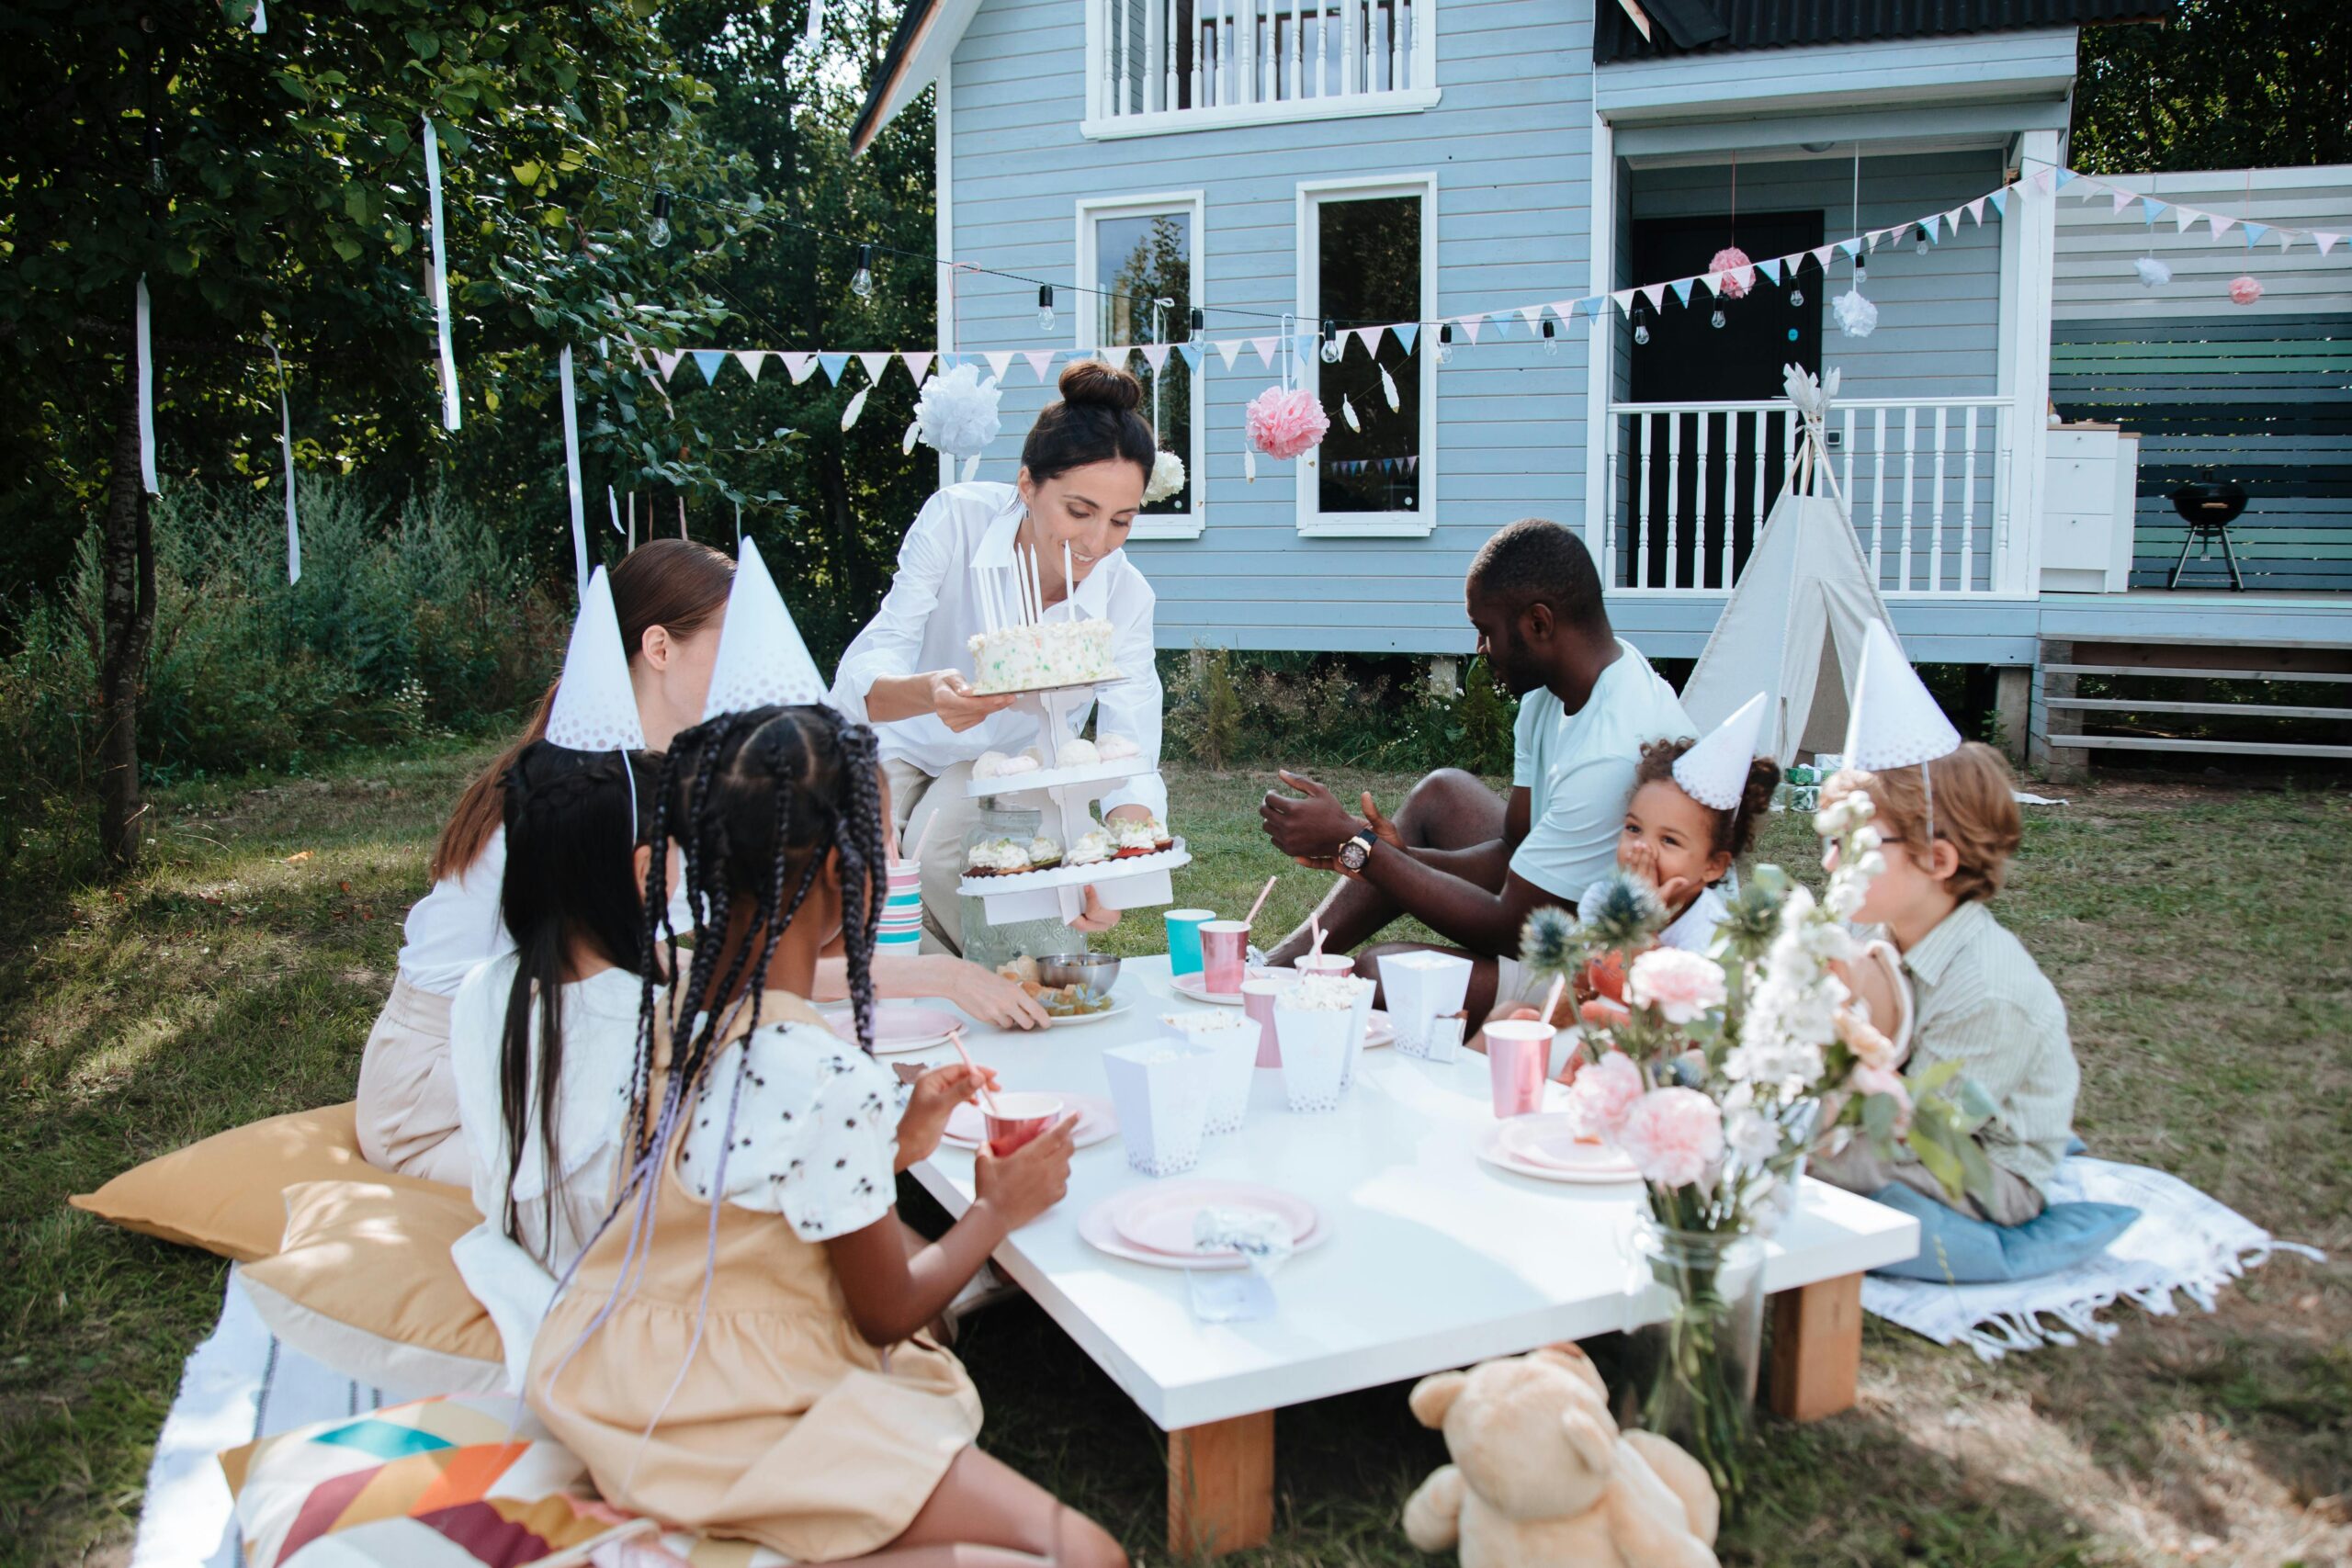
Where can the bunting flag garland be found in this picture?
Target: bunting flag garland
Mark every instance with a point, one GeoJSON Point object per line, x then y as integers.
{"type": "Point", "coordinates": [571, 470]}
{"type": "Point", "coordinates": [832, 365]}
{"type": "Point", "coordinates": [800, 366]}
{"type": "Point", "coordinates": [1192, 353]}
{"type": "Point", "coordinates": [1040, 359]}
{"type": "Point", "coordinates": [1470, 326]}
{"type": "Point", "coordinates": [749, 358]}
{"type": "Point", "coordinates": [440, 278]}
{"type": "Point", "coordinates": [918, 363]}
{"type": "Point", "coordinates": [140, 330]}
{"type": "Point", "coordinates": [285, 447]}
{"type": "Point", "coordinates": [708, 361]}
{"type": "Point", "coordinates": [875, 364]}
{"type": "Point", "coordinates": [1001, 362]}
{"type": "Point", "coordinates": [1408, 335]}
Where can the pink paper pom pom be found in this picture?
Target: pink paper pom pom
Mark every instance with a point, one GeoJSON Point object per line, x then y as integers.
{"type": "Point", "coordinates": [1285, 422]}
{"type": "Point", "coordinates": [2245, 290]}
{"type": "Point", "coordinates": [1740, 273]}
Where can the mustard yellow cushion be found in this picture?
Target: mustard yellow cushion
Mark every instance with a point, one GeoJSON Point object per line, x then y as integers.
{"type": "Point", "coordinates": [227, 1194]}
{"type": "Point", "coordinates": [365, 1283]}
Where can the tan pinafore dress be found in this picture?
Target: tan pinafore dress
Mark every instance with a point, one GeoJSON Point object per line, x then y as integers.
{"type": "Point", "coordinates": [788, 1428]}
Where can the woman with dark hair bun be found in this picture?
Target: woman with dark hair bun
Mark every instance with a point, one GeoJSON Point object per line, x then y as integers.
{"type": "Point", "coordinates": [909, 673]}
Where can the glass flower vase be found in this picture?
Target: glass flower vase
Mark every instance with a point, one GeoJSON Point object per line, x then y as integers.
{"type": "Point", "coordinates": [1692, 1374]}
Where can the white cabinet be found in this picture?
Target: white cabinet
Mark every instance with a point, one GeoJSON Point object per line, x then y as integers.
{"type": "Point", "coordinates": [2089, 488]}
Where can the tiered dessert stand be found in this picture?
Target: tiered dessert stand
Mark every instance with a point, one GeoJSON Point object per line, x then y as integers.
{"type": "Point", "coordinates": [1063, 796]}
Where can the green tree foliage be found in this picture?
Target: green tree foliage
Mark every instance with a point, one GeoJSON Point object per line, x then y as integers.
{"type": "Point", "coordinates": [2223, 85]}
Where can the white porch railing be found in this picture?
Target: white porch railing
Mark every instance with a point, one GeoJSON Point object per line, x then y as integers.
{"type": "Point", "coordinates": [1187, 57]}
{"type": "Point", "coordinates": [1925, 482]}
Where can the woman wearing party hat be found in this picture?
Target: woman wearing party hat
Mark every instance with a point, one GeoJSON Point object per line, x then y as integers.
{"type": "Point", "coordinates": [1946, 815]}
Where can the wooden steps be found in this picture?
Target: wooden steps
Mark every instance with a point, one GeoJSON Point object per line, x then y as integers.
{"type": "Point", "coordinates": [2059, 740]}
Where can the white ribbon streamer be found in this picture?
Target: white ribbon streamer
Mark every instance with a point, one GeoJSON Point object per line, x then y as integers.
{"type": "Point", "coordinates": [285, 446]}
{"type": "Point", "coordinates": [440, 278]}
{"type": "Point", "coordinates": [571, 472]}
{"type": "Point", "coordinates": [146, 395]}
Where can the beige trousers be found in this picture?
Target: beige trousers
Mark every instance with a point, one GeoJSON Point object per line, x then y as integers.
{"type": "Point", "coordinates": [1858, 1167]}
{"type": "Point", "coordinates": [937, 812]}
{"type": "Point", "coordinates": [408, 1098]}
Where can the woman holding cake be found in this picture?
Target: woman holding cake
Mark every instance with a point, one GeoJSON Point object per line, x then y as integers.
{"type": "Point", "coordinates": [911, 674]}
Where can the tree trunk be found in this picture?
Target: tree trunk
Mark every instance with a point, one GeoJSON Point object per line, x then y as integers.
{"type": "Point", "coordinates": [832, 483]}
{"type": "Point", "coordinates": [127, 573]}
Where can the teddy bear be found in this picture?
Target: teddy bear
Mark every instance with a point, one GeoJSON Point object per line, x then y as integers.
{"type": "Point", "coordinates": [1541, 1478]}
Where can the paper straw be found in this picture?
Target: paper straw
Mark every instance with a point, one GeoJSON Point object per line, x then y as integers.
{"type": "Point", "coordinates": [1251, 918]}
{"type": "Point", "coordinates": [1315, 925]}
{"type": "Point", "coordinates": [922, 838]}
{"type": "Point", "coordinates": [956, 1038]}
{"type": "Point", "coordinates": [1551, 1001]}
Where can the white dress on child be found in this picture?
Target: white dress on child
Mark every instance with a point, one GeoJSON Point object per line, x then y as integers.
{"type": "Point", "coordinates": [1693, 930]}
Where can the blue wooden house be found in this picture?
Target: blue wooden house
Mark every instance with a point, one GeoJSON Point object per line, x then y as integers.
{"type": "Point", "coordinates": [1222, 170]}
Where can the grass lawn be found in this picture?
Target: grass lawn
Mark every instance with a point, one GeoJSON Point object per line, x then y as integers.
{"type": "Point", "coordinates": [2198, 935]}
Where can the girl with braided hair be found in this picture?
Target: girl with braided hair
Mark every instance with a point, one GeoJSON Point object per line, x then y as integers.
{"type": "Point", "coordinates": [739, 1350]}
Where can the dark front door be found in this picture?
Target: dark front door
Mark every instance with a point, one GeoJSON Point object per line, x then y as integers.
{"type": "Point", "coordinates": [1691, 505]}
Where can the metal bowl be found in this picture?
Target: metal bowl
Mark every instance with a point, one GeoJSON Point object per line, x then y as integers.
{"type": "Point", "coordinates": [1098, 972]}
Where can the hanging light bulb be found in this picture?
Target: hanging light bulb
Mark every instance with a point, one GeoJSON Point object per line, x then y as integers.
{"type": "Point", "coordinates": [657, 234]}
{"type": "Point", "coordinates": [1551, 337]}
{"type": "Point", "coordinates": [156, 182]}
{"type": "Point", "coordinates": [1332, 345]}
{"type": "Point", "coordinates": [1200, 320]}
{"type": "Point", "coordinates": [1445, 343]}
{"type": "Point", "coordinates": [1919, 247]}
{"type": "Point", "coordinates": [1641, 327]}
{"type": "Point", "coordinates": [1796, 296]}
{"type": "Point", "coordinates": [861, 282]}
{"type": "Point", "coordinates": [1719, 320]}
{"type": "Point", "coordinates": [1044, 305]}
{"type": "Point", "coordinates": [1861, 271]}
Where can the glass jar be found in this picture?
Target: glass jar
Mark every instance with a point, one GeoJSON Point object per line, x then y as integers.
{"type": "Point", "coordinates": [989, 944]}
{"type": "Point", "coordinates": [1692, 1373]}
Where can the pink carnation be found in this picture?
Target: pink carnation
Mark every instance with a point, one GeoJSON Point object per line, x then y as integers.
{"type": "Point", "coordinates": [1674, 1136]}
{"type": "Point", "coordinates": [2245, 290]}
{"type": "Point", "coordinates": [1682, 986]}
{"type": "Point", "coordinates": [1602, 1094]}
{"type": "Point", "coordinates": [1283, 422]}
{"type": "Point", "coordinates": [1740, 273]}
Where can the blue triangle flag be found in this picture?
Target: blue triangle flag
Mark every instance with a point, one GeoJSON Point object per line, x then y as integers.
{"type": "Point", "coordinates": [1681, 286]}
{"type": "Point", "coordinates": [708, 361]}
{"type": "Point", "coordinates": [832, 365]}
{"type": "Point", "coordinates": [1308, 344]}
{"type": "Point", "coordinates": [2152, 208]}
{"type": "Point", "coordinates": [1851, 247]}
{"type": "Point", "coordinates": [1407, 334]}
{"type": "Point", "coordinates": [1592, 306]}
{"type": "Point", "coordinates": [1192, 353]}
{"type": "Point", "coordinates": [2001, 201]}
{"type": "Point", "coordinates": [2065, 174]}
{"type": "Point", "coordinates": [2253, 232]}
{"type": "Point", "coordinates": [1770, 268]}
{"type": "Point", "coordinates": [949, 361]}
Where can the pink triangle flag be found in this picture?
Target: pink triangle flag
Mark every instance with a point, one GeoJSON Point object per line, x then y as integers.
{"type": "Point", "coordinates": [1040, 360]}
{"type": "Point", "coordinates": [1821, 257]}
{"type": "Point", "coordinates": [876, 362]}
{"type": "Point", "coordinates": [1470, 326]}
{"type": "Point", "coordinates": [2122, 199]}
{"type": "Point", "coordinates": [2221, 225]}
{"type": "Point", "coordinates": [1264, 348]}
{"type": "Point", "coordinates": [1655, 293]}
{"type": "Point", "coordinates": [1871, 240]}
{"type": "Point", "coordinates": [1369, 338]}
{"type": "Point", "coordinates": [2182, 216]}
{"type": "Point", "coordinates": [918, 363]}
{"type": "Point", "coordinates": [1976, 210]}
{"type": "Point", "coordinates": [1228, 349]}
{"type": "Point", "coordinates": [2325, 242]}
{"type": "Point", "coordinates": [800, 365]}
{"type": "Point", "coordinates": [1563, 309]}
{"type": "Point", "coordinates": [749, 358]}
{"type": "Point", "coordinates": [668, 360]}
{"type": "Point", "coordinates": [1952, 222]}
{"type": "Point", "coordinates": [1624, 297]}
{"type": "Point", "coordinates": [1533, 314]}
{"type": "Point", "coordinates": [2042, 178]}
{"type": "Point", "coordinates": [1000, 361]}
{"type": "Point", "coordinates": [1155, 355]}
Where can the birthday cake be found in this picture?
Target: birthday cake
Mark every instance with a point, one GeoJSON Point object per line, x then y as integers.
{"type": "Point", "coordinates": [1043, 654]}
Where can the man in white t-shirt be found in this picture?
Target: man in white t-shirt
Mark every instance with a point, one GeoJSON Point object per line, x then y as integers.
{"type": "Point", "coordinates": [1470, 866]}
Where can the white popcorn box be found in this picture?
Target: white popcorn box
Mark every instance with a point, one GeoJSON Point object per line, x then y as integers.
{"type": "Point", "coordinates": [1361, 1014]}
{"type": "Point", "coordinates": [1317, 1045]}
{"type": "Point", "coordinates": [1421, 987]}
{"type": "Point", "coordinates": [1231, 1039]}
{"type": "Point", "coordinates": [1160, 1089]}
{"type": "Point", "coordinates": [1443, 1042]}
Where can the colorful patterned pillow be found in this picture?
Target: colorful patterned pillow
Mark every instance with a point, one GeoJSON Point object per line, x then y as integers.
{"type": "Point", "coordinates": [466, 1480]}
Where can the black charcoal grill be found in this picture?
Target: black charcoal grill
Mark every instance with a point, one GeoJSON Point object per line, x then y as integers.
{"type": "Point", "coordinates": [2209, 507]}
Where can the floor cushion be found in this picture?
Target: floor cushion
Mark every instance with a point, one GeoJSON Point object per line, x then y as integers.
{"type": "Point", "coordinates": [227, 1194]}
{"type": "Point", "coordinates": [1961, 1249]}
{"type": "Point", "coordinates": [365, 1283]}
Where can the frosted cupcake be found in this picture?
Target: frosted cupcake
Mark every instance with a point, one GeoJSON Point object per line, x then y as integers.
{"type": "Point", "coordinates": [1117, 748]}
{"type": "Point", "coordinates": [1077, 753]}
{"type": "Point", "coordinates": [1043, 855]}
{"type": "Point", "coordinates": [1092, 848]}
{"type": "Point", "coordinates": [1130, 838]}
{"type": "Point", "coordinates": [998, 857]}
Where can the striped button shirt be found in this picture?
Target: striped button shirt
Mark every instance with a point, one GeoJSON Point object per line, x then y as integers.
{"type": "Point", "coordinates": [1981, 1000]}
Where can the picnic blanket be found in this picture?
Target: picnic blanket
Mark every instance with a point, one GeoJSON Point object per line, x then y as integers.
{"type": "Point", "coordinates": [2184, 1242]}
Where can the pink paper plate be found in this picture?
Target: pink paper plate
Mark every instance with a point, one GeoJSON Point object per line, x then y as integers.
{"type": "Point", "coordinates": [1488, 1142]}
{"type": "Point", "coordinates": [902, 1027]}
{"type": "Point", "coordinates": [1552, 1140]}
{"type": "Point", "coordinates": [1097, 1229]}
{"type": "Point", "coordinates": [1096, 1121]}
{"type": "Point", "coordinates": [1160, 1219]}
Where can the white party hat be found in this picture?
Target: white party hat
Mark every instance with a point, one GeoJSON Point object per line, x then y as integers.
{"type": "Point", "coordinates": [1896, 723]}
{"type": "Point", "coordinates": [1714, 772]}
{"type": "Point", "coordinates": [761, 660]}
{"type": "Point", "coordinates": [595, 706]}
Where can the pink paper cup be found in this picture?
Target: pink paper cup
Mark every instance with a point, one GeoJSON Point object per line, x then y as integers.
{"type": "Point", "coordinates": [1225, 951]}
{"type": "Point", "coordinates": [1324, 964]}
{"type": "Point", "coordinates": [1017, 1119]}
{"type": "Point", "coordinates": [1518, 1050]}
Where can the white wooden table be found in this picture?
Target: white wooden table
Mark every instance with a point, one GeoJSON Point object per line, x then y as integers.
{"type": "Point", "coordinates": [1435, 1260]}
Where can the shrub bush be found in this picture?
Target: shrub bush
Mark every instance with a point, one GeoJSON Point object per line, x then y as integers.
{"type": "Point", "coordinates": [1226, 708]}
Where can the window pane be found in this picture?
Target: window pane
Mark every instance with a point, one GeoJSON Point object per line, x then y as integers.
{"type": "Point", "coordinates": [1139, 259]}
{"type": "Point", "coordinates": [1369, 257]}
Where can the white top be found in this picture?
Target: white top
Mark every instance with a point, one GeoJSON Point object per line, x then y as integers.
{"type": "Point", "coordinates": [1578, 768]}
{"type": "Point", "coordinates": [458, 925]}
{"type": "Point", "coordinates": [930, 615]}
{"type": "Point", "coordinates": [1693, 930]}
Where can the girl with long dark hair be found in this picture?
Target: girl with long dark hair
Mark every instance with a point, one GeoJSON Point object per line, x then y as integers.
{"type": "Point", "coordinates": [739, 1350]}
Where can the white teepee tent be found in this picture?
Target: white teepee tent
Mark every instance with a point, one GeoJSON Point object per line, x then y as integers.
{"type": "Point", "coordinates": [1795, 620]}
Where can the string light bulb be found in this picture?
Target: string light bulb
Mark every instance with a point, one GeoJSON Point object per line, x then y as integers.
{"type": "Point", "coordinates": [1200, 320]}
{"type": "Point", "coordinates": [1045, 306]}
{"type": "Point", "coordinates": [156, 180]}
{"type": "Point", "coordinates": [657, 234]}
{"type": "Point", "coordinates": [1332, 346]}
{"type": "Point", "coordinates": [1861, 271]}
{"type": "Point", "coordinates": [1641, 324]}
{"type": "Point", "coordinates": [861, 282]}
{"type": "Point", "coordinates": [1551, 337]}
{"type": "Point", "coordinates": [1445, 343]}
{"type": "Point", "coordinates": [1919, 247]}
{"type": "Point", "coordinates": [1719, 320]}
{"type": "Point", "coordinates": [1796, 296]}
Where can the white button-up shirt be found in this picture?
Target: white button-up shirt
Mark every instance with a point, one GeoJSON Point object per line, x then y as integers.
{"type": "Point", "coordinates": [932, 613]}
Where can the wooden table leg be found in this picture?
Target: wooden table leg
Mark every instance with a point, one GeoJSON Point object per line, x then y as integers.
{"type": "Point", "coordinates": [1816, 1348]}
{"type": "Point", "coordinates": [1221, 1486]}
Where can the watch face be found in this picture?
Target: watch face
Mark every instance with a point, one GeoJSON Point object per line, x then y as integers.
{"type": "Point", "coordinates": [1353, 853]}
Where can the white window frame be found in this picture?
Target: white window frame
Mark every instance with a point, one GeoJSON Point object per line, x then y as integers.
{"type": "Point", "coordinates": [1092, 210]}
{"type": "Point", "coordinates": [1097, 125]}
{"type": "Point", "coordinates": [1312, 522]}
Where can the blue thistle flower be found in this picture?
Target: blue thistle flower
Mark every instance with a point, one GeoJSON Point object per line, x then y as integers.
{"type": "Point", "coordinates": [1619, 912]}
{"type": "Point", "coordinates": [1549, 943]}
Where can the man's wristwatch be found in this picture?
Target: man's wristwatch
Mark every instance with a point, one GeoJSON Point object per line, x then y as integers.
{"type": "Point", "coordinates": [1355, 851]}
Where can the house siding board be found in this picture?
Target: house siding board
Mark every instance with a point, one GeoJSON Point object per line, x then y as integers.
{"type": "Point", "coordinates": [1917, 72]}
{"type": "Point", "coordinates": [1510, 145]}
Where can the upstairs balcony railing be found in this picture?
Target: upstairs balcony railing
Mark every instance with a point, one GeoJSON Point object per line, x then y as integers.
{"type": "Point", "coordinates": [1172, 63]}
{"type": "Point", "coordinates": [1925, 482]}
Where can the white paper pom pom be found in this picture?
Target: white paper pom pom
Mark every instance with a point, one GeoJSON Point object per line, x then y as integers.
{"type": "Point", "coordinates": [957, 411]}
{"type": "Point", "coordinates": [2154, 274]}
{"type": "Point", "coordinates": [1857, 316]}
{"type": "Point", "coordinates": [1167, 478]}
